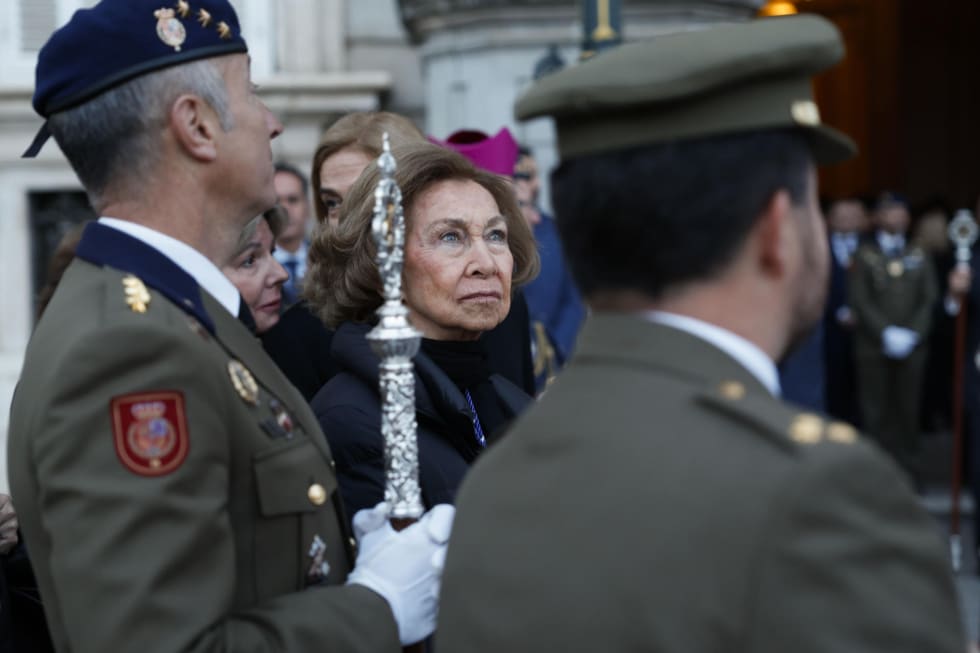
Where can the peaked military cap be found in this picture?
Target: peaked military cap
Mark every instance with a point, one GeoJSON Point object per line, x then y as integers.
{"type": "Point", "coordinates": [117, 40]}
{"type": "Point", "coordinates": [720, 80]}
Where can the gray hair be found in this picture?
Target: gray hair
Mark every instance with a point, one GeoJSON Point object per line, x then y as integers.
{"type": "Point", "coordinates": [114, 137]}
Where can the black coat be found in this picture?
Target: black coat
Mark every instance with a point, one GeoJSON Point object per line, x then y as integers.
{"type": "Point", "coordinates": [348, 408]}
{"type": "Point", "coordinates": [300, 346]}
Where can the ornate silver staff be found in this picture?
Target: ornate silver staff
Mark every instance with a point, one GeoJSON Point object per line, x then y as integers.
{"type": "Point", "coordinates": [395, 341]}
{"type": "Point", "coordinates": [963, 233]}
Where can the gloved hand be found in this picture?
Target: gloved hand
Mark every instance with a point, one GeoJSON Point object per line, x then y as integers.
{"type": "Point", "coordinates": [404, 567]}
{"type": "Point", "coordinates": [898, 342]}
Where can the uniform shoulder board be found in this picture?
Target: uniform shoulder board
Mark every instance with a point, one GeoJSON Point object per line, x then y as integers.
{"type": "Point", "coordinates": [782, 423]}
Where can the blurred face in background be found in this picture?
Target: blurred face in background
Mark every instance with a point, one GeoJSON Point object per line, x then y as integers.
{"type": "Point", "coordinates": [893, 218]}
{"type": "Point", "coordinates": [845, 216]}
{"type": "Point", "coordinates": [290, 195]}
{"type": "Point", "coordinates": [259, 277]}
{"type": "Point", "coordinates": [337, 174]}
{"type": "Point", "coordinates": [527, 186]}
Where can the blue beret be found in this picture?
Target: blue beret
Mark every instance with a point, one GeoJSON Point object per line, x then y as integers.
{"type": "Point", "coordinates": [117, 40]}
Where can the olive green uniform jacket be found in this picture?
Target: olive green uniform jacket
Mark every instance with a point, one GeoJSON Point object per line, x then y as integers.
{"type": "Point", "coordinates": [901, 291]}
{"type": "Point", "coordinates": [214, 554]}
{"type": "Point", "coordinates": [658, 498]}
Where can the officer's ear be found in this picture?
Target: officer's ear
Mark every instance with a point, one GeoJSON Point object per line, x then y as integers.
{"type": "Point", "coordinates": [195, 127]}
{"type": "Point", "coordinates": [775, 234]}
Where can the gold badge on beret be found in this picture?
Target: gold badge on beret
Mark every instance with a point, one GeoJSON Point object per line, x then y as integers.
{"type": "Point", "coordinates": [183, 8]}
{"type": "Point", "coordinates": [244, 382]}
{"type": "Point", "coordinates": [223, 30]}
{"type": "Point", "coordinates": [203, 17]}
{"type": "Point", "coordinates": [170, 30]}
{"type": "Point", "coordinates": [137, 296]}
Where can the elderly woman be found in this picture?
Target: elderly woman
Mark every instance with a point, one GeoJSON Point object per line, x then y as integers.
{"type": "Point", "coordinates": [255, 271]}
{"type": "Point", "coordinates": [466, 246]}
{"type": "Point", "coordinates": [300, 345]}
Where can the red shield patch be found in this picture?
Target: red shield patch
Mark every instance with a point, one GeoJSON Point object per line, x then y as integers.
{"type": "Point", "coordinates": [150, 431]}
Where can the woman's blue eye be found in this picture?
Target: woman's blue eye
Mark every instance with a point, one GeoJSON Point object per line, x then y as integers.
{"type": "Point", "coordinates": [450, 237]}
{"type": "Point", "coordinates": [498, 235]}
{"type": "Point", "coordinates": [249, 262]}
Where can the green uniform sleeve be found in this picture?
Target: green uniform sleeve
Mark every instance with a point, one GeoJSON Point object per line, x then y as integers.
{"type": "Point", "coordinates": [147, 564]}
{"type": "Point", "coordinates": [928, 292]}
{"type": "Point", "coordinates": [848, 546]}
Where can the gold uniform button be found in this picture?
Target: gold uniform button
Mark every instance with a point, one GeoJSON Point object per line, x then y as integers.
{"type": "Point", "coordinates": [316, 494]}
{"type": "Point", "coordinates": [842, 433]}
{"type": "Point", "coordinates": [732, 390]}
{"type": "Point", "coordinates": [806, 429]}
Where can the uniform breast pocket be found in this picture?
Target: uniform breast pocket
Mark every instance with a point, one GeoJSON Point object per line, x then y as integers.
{"type": "Point", "coordinates": [295, 485]}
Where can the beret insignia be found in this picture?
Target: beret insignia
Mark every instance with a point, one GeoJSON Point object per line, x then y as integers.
{"type": "Point", "coordinates": [170, 30]}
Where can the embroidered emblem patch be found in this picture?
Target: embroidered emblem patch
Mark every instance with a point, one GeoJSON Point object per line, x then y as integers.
{"type": "Point", "coordinates": [150, 431]}
{"type": "Point", "coordinates": [169, 28]}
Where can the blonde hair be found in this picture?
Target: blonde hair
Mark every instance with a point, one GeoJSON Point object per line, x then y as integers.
{"type": "Point", "coordinates": [362, 131]}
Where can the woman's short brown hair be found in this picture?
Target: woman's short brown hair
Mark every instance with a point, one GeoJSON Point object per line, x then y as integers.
{"type": "Point", "coordinates": [343, 282]}
{"type": "Point", "coordinates": [361, 130]}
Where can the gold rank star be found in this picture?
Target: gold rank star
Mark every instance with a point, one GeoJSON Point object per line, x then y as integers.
{"type": "Point", "coordinates": [137, 296]}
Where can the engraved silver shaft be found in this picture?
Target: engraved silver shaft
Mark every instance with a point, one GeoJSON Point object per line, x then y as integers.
{"type": "Point", "coordinates": [395, 341]}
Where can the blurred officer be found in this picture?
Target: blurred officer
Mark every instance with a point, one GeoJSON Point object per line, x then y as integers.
{"type": "Point", "coordinates": [292, 245]}
{"type": "Point", "coordinates": [660, 496]}
{"type": "Point", "coordinates": [845, 219]}
{"type": "Point", "coordinates": [175, 491]}
{"type": "Point", "coordinates": [892, 290]}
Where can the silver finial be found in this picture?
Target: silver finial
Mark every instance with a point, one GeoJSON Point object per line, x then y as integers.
{"type": "Point", "coordinates": [395, 341]}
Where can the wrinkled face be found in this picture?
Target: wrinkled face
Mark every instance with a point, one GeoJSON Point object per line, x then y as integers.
{"type": "Point", "coordinates": [259, 277]}
{"type": "Point", "coordinates": [246, 148]}
{"type": "Point", "coordinates": [813, 263]}
{"type": "Point", "coordinates": [337, 174]}
{"type": "Point", "coordinates": [458, 262]}
{"type": "Point", "coordinates": [290, 196]}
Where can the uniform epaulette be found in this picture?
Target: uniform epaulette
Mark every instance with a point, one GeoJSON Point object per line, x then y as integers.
{"type": "Point", "coordinates": [783, 424]}
{"type": "Point", "coordinates": [136, 294]}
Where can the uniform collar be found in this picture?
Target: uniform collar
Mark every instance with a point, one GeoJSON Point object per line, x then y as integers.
{"type": "Point", "coordinates": [205, 273]}
{"type": "Point", "coordinates": [105, 246]}
{"type": "Point", "coordinates": [744, 352]}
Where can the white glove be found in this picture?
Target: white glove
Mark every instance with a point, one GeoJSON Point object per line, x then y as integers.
{"type": "Point", "coordinates": [404, 567]}
{"type": "Point", "coordinates": [898, 342]}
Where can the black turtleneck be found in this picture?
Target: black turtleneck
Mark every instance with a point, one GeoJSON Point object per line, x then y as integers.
{"type": "Point", "coordinates": [465, 363]}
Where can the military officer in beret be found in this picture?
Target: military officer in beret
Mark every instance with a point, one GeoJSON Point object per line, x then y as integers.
{"type": "Point", "coordinates": [660, 496]}
{"type": "Point", "coordinates": [893, 291]}
{"type": "Point", "coordinates": [175, 491]}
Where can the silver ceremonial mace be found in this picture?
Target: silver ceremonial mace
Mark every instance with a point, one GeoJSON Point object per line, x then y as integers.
{"type": "Point", "coordinates": [963, 233]}
{"type": "Point", "coordinates": [395, 341]}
